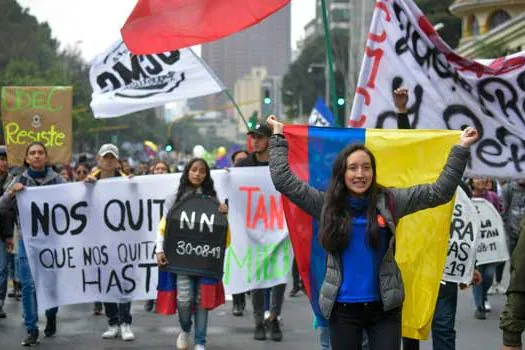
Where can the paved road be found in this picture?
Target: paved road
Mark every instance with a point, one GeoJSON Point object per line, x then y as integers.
{"type": "Point", "coordinates": [78, 329]}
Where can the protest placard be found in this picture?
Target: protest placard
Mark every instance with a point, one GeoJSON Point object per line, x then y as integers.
{"type": "Point", "coordinates": [31, 113]}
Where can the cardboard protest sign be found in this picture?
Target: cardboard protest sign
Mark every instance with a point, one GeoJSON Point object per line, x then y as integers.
{"type": "Point", "coordinates": [37, 114]}
{"type": "Point", "coordinates": [196, 237]}
{"type": "Point", "coordinates": [492, 244]}
{"type": "Point", "coordinates": [462, 244]}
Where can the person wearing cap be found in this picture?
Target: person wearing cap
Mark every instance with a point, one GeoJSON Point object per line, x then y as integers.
{"type": "Point", "coordinates": [36, 173]}
{"type": "Point", "coordinates": [261, 139]}
{"type": "Point", "coordinates": [6, 230]}
{"type": "Point", "coordinates": [118, 314]}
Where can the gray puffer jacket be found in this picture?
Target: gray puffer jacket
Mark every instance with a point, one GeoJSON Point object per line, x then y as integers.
{"type": "Point", "coordinates": [404, 201]}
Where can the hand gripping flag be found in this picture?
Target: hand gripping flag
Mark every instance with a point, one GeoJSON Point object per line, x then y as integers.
{"type": "Point", "coordinates": [321, 114]}
{"type": "Point", "coordinates": [404, 158]}
{"type": "Point", "coordinates": [156, 26]}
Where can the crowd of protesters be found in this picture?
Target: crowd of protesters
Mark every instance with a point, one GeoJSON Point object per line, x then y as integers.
{"type": "Point", "coordinates": [357, 317]}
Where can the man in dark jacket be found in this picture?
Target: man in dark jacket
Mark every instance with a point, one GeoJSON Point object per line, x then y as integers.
{"type": "Point", "coordinates": [512, 320]}
{"type": "Point", "coordinates": [260, 157]}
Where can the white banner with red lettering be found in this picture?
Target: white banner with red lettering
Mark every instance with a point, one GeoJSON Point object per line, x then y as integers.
{"type": "Point", "coordinates": [446, 91]}
{"type": "Point", "coordinates": [260, 254]}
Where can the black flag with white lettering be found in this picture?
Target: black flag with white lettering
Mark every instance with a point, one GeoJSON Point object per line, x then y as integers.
{"type": "Point", "coordinates": [196, 237]}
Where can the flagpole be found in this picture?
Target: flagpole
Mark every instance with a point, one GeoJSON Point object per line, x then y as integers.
{"type": "Point", "coordinates": [237, 108]}
{"type": "Point", "coordinates": [330, 62]}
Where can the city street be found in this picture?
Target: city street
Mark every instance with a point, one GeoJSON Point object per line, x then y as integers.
{"type": "Point", "coordinates": [79, 329]}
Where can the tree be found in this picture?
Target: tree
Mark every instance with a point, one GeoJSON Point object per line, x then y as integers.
{"type": "Point", "coordinates": [30, 57]}
{"type": "Point", "coordinates": [438, 12]}
{"type": "Point", "coordinates": [303, 87]}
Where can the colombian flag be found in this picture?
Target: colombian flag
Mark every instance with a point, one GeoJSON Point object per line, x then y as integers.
{"type": "Point", "coordinates": [404, 158]}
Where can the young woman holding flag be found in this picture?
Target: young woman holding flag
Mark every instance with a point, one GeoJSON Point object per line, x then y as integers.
{"type": "Point", "coordinates": [362, 287]}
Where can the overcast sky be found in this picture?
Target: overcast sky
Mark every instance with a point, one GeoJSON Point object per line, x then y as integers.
{"type": "Point", "coordinates": [93, 25]}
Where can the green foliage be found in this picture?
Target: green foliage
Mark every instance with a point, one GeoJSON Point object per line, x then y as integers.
{"type": "Point", "coordinates": [29, 56]}
{"type": "Point", "coordinates": [437, 12]}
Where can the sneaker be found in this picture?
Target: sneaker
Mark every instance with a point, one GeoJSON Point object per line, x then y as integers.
{"type": "Point", "coordinates": [260, 332]}
{"type": "Point", "coordinates": [112, 332]}
{"type": "Point", "coordinates": [488, 308]}
{"type": "Point", "coordinates": [2, 312]}
{"type": "Point", "coordinates": [126, 333]}
{"type": "Point", "coordinates": [237, 311]}
{"type": "Point", "coordinates": [479, 314]}
{"type": "Point", "coordinates": [31, 339]}
{"type": "Point", "coordinates": [182, 340]}
{"type": "Point", "coordinates": [11, 293]}
{"type": "Point", "coordinates": [51, 326]}
{"type": "Point", "coordinates": [97, 308]}
{"type": "Point", "coordinates": [200, 347]}
{"type": "Point", "coordinates": [295, 290]}
{"type": "Point", "coordinates": [275, 330]}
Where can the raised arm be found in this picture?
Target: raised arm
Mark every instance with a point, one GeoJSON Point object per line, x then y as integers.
{"type": "Point", "coordinates": [419, 197]}
{"type": "Point", "coordinates": [299, 192]}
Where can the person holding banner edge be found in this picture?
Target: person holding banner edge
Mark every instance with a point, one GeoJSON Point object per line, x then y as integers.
{"type": "Point", "coordinates": [353, 189]}
{"type": "Point", "coordinates": [118, 314]}
{"type": "Point", "coordinates": [192, 294]}
{"type": "Point", "coordinates": [37, 173]}
{"type": "Point", "coordinates": [261, 134]}
{"type": "Point", "coordinates": [480, 292]}
{"type": "Point", "coordinates": [443, 321]}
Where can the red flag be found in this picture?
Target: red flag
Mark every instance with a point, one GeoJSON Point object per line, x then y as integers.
{"type": "Point", "coordinates": [157, 26]}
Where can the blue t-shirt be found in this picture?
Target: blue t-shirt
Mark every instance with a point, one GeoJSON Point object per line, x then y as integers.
{"type": "Point", "coordinates": [360, 262]}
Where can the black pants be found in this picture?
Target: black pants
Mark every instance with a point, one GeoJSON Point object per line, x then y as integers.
{"type": "Point", "coordinates": [276, 302]}
{"type": "Point", "coordinates": [297, 284]}
{"type": "Point", "coordinates": [348, 321]}
{"type": "Point", "coordinates": [239, 300]}
{"type": "Point", "coordinates": [118, 313]}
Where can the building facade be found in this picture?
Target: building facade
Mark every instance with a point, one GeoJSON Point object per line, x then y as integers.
{"type": "Point", "coordinates": [267, 44]}
{"type": "Point", "coordinates": [490, 26]}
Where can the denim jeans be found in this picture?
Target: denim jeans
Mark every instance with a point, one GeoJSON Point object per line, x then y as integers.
{"type": "Point", "coordinates": [324, 337]}
{"type": "Point", "coordinates": [189, 299]}
{"type": "Point", "coordinates": [29, 305]}
{"type": "Point", "coordinates": [118, 313]}
{"type": "Point", "coordinates": [3, 270]}
{"type": "Point", "coordinates": [348, 321]}
{"type": "Point", "coordinates": [276, 303]}
{"type": "Point", "coordinates": [480, 291]}
{"type": "Point", "coordinates": [443, 323]}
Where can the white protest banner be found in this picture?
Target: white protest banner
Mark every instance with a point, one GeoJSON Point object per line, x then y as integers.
{"type": "Point", "coordinates": [123, 83]}
{"type": "Point", "coordinates": [99, 239]}
{"type": "Point", "coordinates": [260, 254]}
{"type": "Point", "coordinates": [462, 244]}
{"type": "Point", "coordinates": [446, 91]}
{"type": "Point", "coordinates": [492, 244]}
{"type": "Point", "coordinates": [95, 242]}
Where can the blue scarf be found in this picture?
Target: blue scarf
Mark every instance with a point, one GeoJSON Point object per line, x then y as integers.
{"type": "Point", "coordinates": [35, 174]}
{"type": "Point", "coordinates": [358, 205]}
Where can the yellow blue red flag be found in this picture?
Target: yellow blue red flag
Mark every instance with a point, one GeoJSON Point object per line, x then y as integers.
{"type": "Point", "coordinates": [404, 158]}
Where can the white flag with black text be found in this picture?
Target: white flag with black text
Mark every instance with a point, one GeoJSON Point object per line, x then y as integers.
{"type": "Point", "coordinates": [123, 83]}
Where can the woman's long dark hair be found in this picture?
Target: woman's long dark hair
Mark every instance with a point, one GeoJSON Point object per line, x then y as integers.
{"type": "Point", "coordinates": [334, 233]}
{"type": "Point", "coordinates": [34, 143]}
{"type": "Point", "coordinates": [207, 185]}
